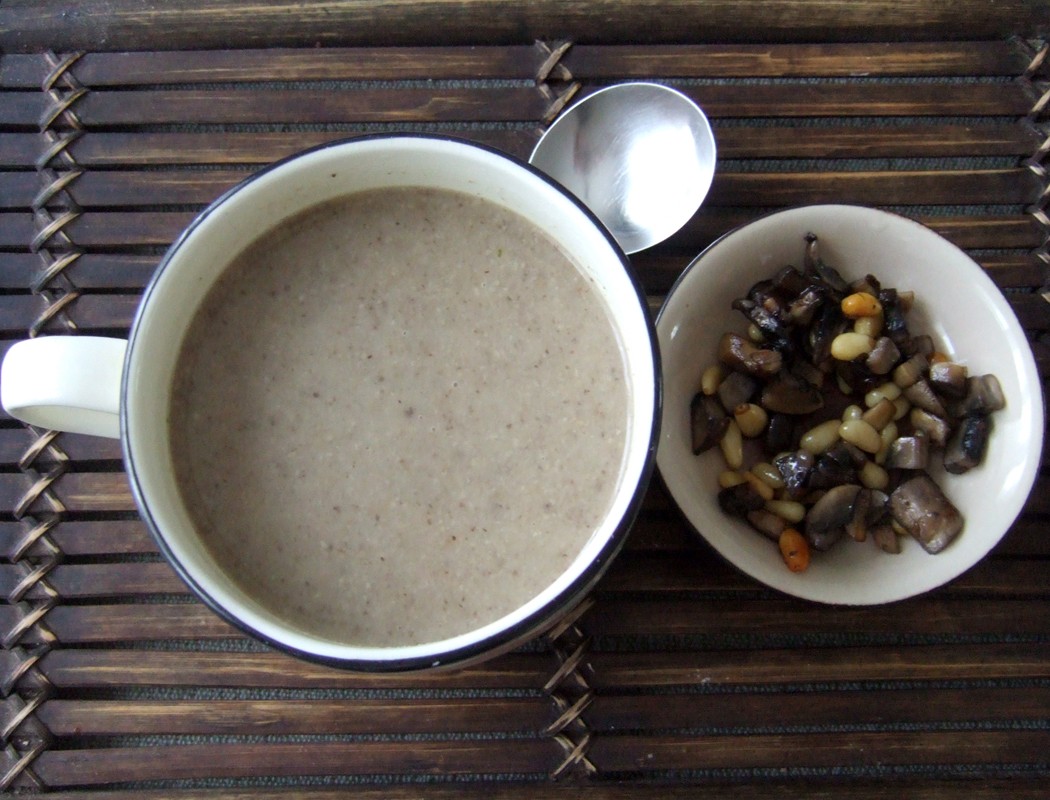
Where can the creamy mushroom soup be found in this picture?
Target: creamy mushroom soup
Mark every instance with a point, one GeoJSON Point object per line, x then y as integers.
{"type": "Point", "coordinates": [399, 416]}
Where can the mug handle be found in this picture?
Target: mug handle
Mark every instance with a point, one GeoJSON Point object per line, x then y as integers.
{"type": "Point", "coordinates": [65, 383]}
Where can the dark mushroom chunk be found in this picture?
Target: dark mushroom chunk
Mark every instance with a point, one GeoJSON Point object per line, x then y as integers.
{"type": "Point", "coordinates": [886, 538]}
{"type": "Point", "coordinates": [847, 454]}
{"type": "Point", "coordinates": [804, 307]}
{"type": "Point", "coordinates": [857, 375]}
{"type": "Point", "coordinates": [883, 357]}
{"type": "Point", "coordinates": [869, 283]}
{"type": "Point", "coordinates": [917, 345]}
{"type": "Point", "coordinates": [708, 421]}
{"type": "Point", "coordinates": [780, 433]}
{"type": "Point", "coordinates": [857, 526]}
{"type": "Point", "coordinates": [921, 394]}
{"type": "Point", "coordinates": [736, 389]}
{"type": "Point", "coordinates": [830, 322]}
{"type": "Point", "coordinates": [908, 372]}
{"type": "Point", "coordinates": [814, 263]}
{"type": "Point", "coordinates": [967, 446]}
{"type": "Point", "coordinates": [948, 378]}
{"type": "Point", "coordinates": [759, 314]}
{"type": "Point", "coordinates": [935, 428]}
{"type": "Point", "coordinates": [742, 355]}
{"type": "Point", "coordinates": [827, 519]}
{"type": "Point", "coordinates": [789, 282]}
{"type": "Point", "coordinates": [922, 509]}
{"type": "Point", "coordinates": [830, 471]}
{"type": "Point", "coordinates": [983, 395]}
{"type": "Point", "coordinates": [795, 468]}
{"type": "Point", "coordinates": [909, 452]}
{"type": "Point", "coordinates": [893, 322]}
{"type": "Point", "coordinates": [790, 394]}
{"type": "Point", "coordinates": [740, 500]}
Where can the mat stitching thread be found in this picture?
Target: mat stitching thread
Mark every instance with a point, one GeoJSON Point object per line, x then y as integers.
{"type": "Point", "coordinates": [1035, 80]}
{"type": "Point", "coordinates": [552, 70]}
{"type": "Point", "coordinates": [25, 688]}
{"type": "Point", "coordinates": [571, 693]}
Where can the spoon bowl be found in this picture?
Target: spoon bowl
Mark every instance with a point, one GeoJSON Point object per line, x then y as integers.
{"type": "Point", "coordinates": [641, 156]}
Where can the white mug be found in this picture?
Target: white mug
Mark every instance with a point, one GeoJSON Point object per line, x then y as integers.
{"type": "Point", "coordinates": [110, 387]}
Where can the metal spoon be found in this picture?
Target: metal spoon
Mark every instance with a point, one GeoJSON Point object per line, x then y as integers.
{"type": "Point", "coordinates": [641, 156]}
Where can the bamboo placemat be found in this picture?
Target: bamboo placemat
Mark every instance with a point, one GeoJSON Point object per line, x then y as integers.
{"type": "Point", "coordinates": [678, 672]}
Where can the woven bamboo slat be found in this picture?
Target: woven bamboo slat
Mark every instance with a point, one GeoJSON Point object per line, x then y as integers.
{"type": "Point", "coordinates": [614, 673]}
{"type": "Point", "coordinates": [679, 674]}
{"type": "Point", "coordinates": [101, 190]}
{"type": "Point", "coordinates": [901, 58]}
{"type": "Point", "coordinates": [1021, 787]}
{"type": "Point", "coordinates": [189, 24]}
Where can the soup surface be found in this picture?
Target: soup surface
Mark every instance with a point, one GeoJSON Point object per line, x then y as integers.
{"type": "Point", "coordinates": [399, 416]}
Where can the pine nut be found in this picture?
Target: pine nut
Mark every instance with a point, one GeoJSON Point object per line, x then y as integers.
{"type": "Point", "coordinates": [790, 510]}
{"type": "Point", "coordinates": [729, 478]}
{"type": "Point", "coordinates": [848, 346]}
{"type": "Point", "coordinates": [870, 326]}
{"type": "Point", "coordinates": [860, 433]}
{"type": "Point", "coordinates": [873, 476]}
{"type": "Point", "coordinates": [861, 304]}
{"type": "Point", "coordinates": [764, 490]}
{"type": "Point", "coordinates": [820, 438]}
{"type": "Point", "coordinates": [712, 379]}
{"type": "Point", "coordinates": [732, 445]}
{"type": "Point", "coordinates": [852, 412]}
{"type": "Point", "coordinates": [751, 418]}
{"type": "Point", "coordinates": [769, 474]}
{"type": "Point", "coordinates": [888, 390]}
{"type": "Point", "coordinates": [887, 434]}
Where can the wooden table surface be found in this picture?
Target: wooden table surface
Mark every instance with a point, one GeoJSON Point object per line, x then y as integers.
{"type": "Point", "coordinates": [120, 120]}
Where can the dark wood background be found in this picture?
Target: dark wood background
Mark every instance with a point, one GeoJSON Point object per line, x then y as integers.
{"type": "Point", "coordinates": [120, 120]}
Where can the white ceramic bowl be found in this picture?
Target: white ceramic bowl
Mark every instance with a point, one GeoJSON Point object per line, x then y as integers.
{"type": "Point", "coordinates": [956, 303]}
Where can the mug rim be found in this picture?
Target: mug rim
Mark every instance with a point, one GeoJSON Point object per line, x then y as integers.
{"type": "Point", "coordinates": [482, 648]}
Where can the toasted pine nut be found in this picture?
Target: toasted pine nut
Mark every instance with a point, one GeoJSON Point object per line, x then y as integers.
{"type": "Point", "coordinates": [751, 418]}
{"type": "Point", "coordinates": [760, 486]}
{"type": "Point", "coordinates": [790, 510]}
{"type": "Point", "coordinates": [873, 476]}
{"type": "Point", "coordinates": [861, 304]}
{"type": "Point", "coordinates": [852, 412]}
{"type": "Point", "coordinates": [870, 326]}
{"type": "Point", "coordinates": [887, 434]}
{"type": "Point", "coordinates": [769, 474]}
{"type": "Point", "coordinates": [860, 433]}
{"type": "Point", "coordinates": [712, 379]}
{"type": "Point", "coordinates": [732, 445]}
{"type": "Point", "coordinates": [889, 390]}
{"type": "Point", "coordinates": [821, 437]}
{"type": "Point", "coordinates": [728, 478]}
{"type": "Point", "coordinates": [902, 406]}
{"type": "Point", "coordinates": [848, 346]}
{"type": "Point", "coordinates": [754, 333]}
